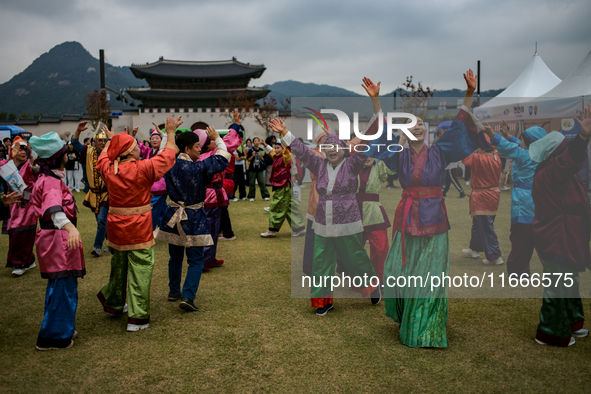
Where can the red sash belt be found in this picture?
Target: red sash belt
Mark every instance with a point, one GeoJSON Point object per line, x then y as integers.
{"type": "Point", "coordinates": [361, 197]}
{"type": "Point", "coordinates": [409, 195]}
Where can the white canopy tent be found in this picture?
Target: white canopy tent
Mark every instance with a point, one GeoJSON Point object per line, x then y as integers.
{"type": "Point", "coordinates": [535, 80]}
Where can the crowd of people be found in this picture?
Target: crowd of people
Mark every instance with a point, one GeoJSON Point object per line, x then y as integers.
{"type": "Point", "coordinates": [177, 187]}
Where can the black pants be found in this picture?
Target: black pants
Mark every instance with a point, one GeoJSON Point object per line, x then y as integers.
{"type": "Point", "coordinates": [226, 224]}
{"type": "Point", "coordinates": [450, 177]}
{"type": "Point", "coordinates": [239, 181]}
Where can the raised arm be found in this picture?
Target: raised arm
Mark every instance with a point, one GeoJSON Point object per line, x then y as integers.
{"type": "Point", "coordinates": [76, 137]}
{"type": "Point", "coordinates": [508, 148]}
{"type": "Point", "coordinates": [298, 148]}
{"type": "Point", "coordinates": [373, 91]}
{"type": "Point", "coordinates": [471, 80]}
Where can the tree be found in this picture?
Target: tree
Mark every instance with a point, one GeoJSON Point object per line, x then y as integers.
{"type": "Point", "coordinates": [24, 115]}
{"type": "Point", "coordinates": [98, 107]}
{"type": "Point", "coordinates": [239, 101]}
{"type": "Point", "coordinates": [269, 110]}
{"type": "Point", "coordinates": [415, 98]}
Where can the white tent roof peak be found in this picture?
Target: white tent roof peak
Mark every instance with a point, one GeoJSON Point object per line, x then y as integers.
{"type": "Point", "coordinates": [578, 83]}
{"type": "Point", "coordinates": [535, 80]}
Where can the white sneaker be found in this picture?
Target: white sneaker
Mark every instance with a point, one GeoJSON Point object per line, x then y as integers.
{"type": "Point", "coordinates": [77, 191]}
{"type": "Point", "coordinates": [498, 261]}
{"type": "Point", "coordinates": [125, 309]}
{"type": "Point", "coordinates": [243, 199]}
{"type": "Point", "coordinates": [582, 333]}
{"type": "Point", "coordinates": [136, 327]}
{"type": "Point", "coordinates": [18, 271]}
{"type": "Point", "coordinates": [299, 233]}
{"type": "Point", "coordinates": [269, 234]}
{"type": "Point", "coordinates": [234, 200]}
{"type": "Point", "coordinates": [467, 183]}
{"type": "Point", "coordinates": [251, 200]}
{"type": "Point", "coordinates": [505, 188]}
{"type": "Point", "coordinates": [572, 342]}
{"type": "Point", "coordinates": [470, 253]}
{"type": "Point", "coordinates": [266, 198]}
{"type": "Point", "coordinates": [266, 209]}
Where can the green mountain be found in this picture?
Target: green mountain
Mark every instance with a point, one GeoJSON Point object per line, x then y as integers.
{"type": "Point", "coordinates": [58, 81]}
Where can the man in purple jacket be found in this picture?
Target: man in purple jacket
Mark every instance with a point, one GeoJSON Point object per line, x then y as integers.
{"type": "Point", "coordinates": [561, 232]}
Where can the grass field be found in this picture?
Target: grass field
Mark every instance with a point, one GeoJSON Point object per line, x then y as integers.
{"type": "Point", "coordinates": [250, 335]}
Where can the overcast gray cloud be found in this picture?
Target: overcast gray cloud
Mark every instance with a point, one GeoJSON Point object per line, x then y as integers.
{"type": "Point", "coordinates": [335, 43]}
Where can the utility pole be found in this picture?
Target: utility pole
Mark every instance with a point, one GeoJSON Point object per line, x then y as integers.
{"type": "Point", "coordinates": [478, 85]}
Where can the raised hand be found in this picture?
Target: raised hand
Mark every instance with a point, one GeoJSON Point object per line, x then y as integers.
{"type": "Point", "coordinates": [134, 131]}
{"type": "Point", "coordinates": [585, 122]}
{"type": "Point", "coordinates": [156, 127]}
{"type": "Point", "coordinates": [488, 130]}
{"type": "Point", "coordinates": [126, 129]}
{"type": "Point", "coordinates": [82, 126]}
{"type": "Point", "coordinates": [212, 133]}
{"type": "Point", "coordinates": [278, 126]}
{"type": "Point", "coordinates": [470, 79]}
{"type": "Point", "coordinates": [505, 129]}
{"type": "Point", "coordinates": [371, 88]}
{"type": "Point", "coordinates": [172, 124]}
{"type": "Point", "coordinates": [236, 116]}
{"type": "Point", "coordinates": [108, 133]}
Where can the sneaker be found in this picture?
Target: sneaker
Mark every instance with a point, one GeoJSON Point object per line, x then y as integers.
{"type": "Point", "coordinates": [227, 239]}
{"type": "Point", "coordinates": [75, 334]}
{"type": "Point", "coordinates": [324, 311]}
{"type": "Point", "coordinates": [467, 183]}
{"type": "Point", "coordinates": [266, 198]}
{"type": "Point", "coordinates": [234, 200]}
{"type": "Point", "coordinates": [391, 187]}
{"type": "Point", "coordinates": [266, 209]}
{"type": "Point", "coordinates": [137, 327]}
{"type": "Point", "coordinates": [205, 269]}
{"type": "Point", "coordinates": [18, 271]}
{"type": "Point", "coordinates": [462, 194]}
{"type": "Point", "coordinates": [125, 309]}
{"type": "Point", "coordinates": [243, 199]}
{"type": "Point", "coordinates": [498, 261]}
{"type": "Point", "coordinates": [582, 333]}
{"type": "Point", "coordinates": [269, 234]}
{"type": "Point", "coordinates": [96, 252]}
{"type": "Point", "coordinates": [376, 296]}
{"type": "Point", "coordinates": [505, 188]}
{"type": "Point", "coordinates": [173, 297]}
{"type": "Point", "coordinates": [217, 262]}
{"type": "Point", "coordinates": [187, 305]}
{"type": "Point", "coordinates": [299, 233]}
{"type": "Point", "coordinates": [251, 200]}
{"type": "Point", "coordinates": [572, 342]}
{"type": "Point", "coordinates": [77, 191]}
{"type": "Point", "coordinates": [470, 253]}
{"type": "Point", "coordinates": [56, 348]}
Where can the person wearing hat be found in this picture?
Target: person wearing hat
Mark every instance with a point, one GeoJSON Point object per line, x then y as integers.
{"type": "Point", "coordinates": [284, 205]}
{"type": "Point", "coordinates": [22, 223]}
{"type": "Point", "coordinates": [522, 203]}
{"type": "Point", "coordinates": [338, 226]}
{"type": "Point", "coordinates": [97, 198]}
{"type": "Point", "coordinates": [59, 248]}
{"type": "Point", "coordinates": [484, 196]}
{"type": "Point", "coordinates": [157, 143]}
{"type": "Point", "coordinates": [561, 231]}
{"type": "Point", "coordinates": [184, 223]}
{"type": "Point", "coordinates": [129, 224]}
{"type": "Point", "coordinates": [216, 197]}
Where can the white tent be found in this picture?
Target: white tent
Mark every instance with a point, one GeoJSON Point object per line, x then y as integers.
{"type": "Point", "coordinates": [535, 80]}
{"type": "Point", "coordinates": [577, 84]}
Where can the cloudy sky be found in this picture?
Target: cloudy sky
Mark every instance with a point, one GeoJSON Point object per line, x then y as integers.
{"type": "Point", "coordinates": [331, 42]}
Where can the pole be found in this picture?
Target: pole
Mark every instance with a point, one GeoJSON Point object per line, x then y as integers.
{"type": "Point", "coordinates": [478, 85]}
{"type": "Point", "coordinates": [102, 67]}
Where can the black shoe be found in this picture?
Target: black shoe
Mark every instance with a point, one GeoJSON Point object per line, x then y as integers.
{"type": "Point", "coordinates": [324, 311]}
{"type": "Point", "coordinates": [173, 297]}
{"type": "Point", "coordinates": [376, 296]}
{"type": "Point", "coordinates": [187, 305]}
{"type": "Point", "coordinates": [462, 194]}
